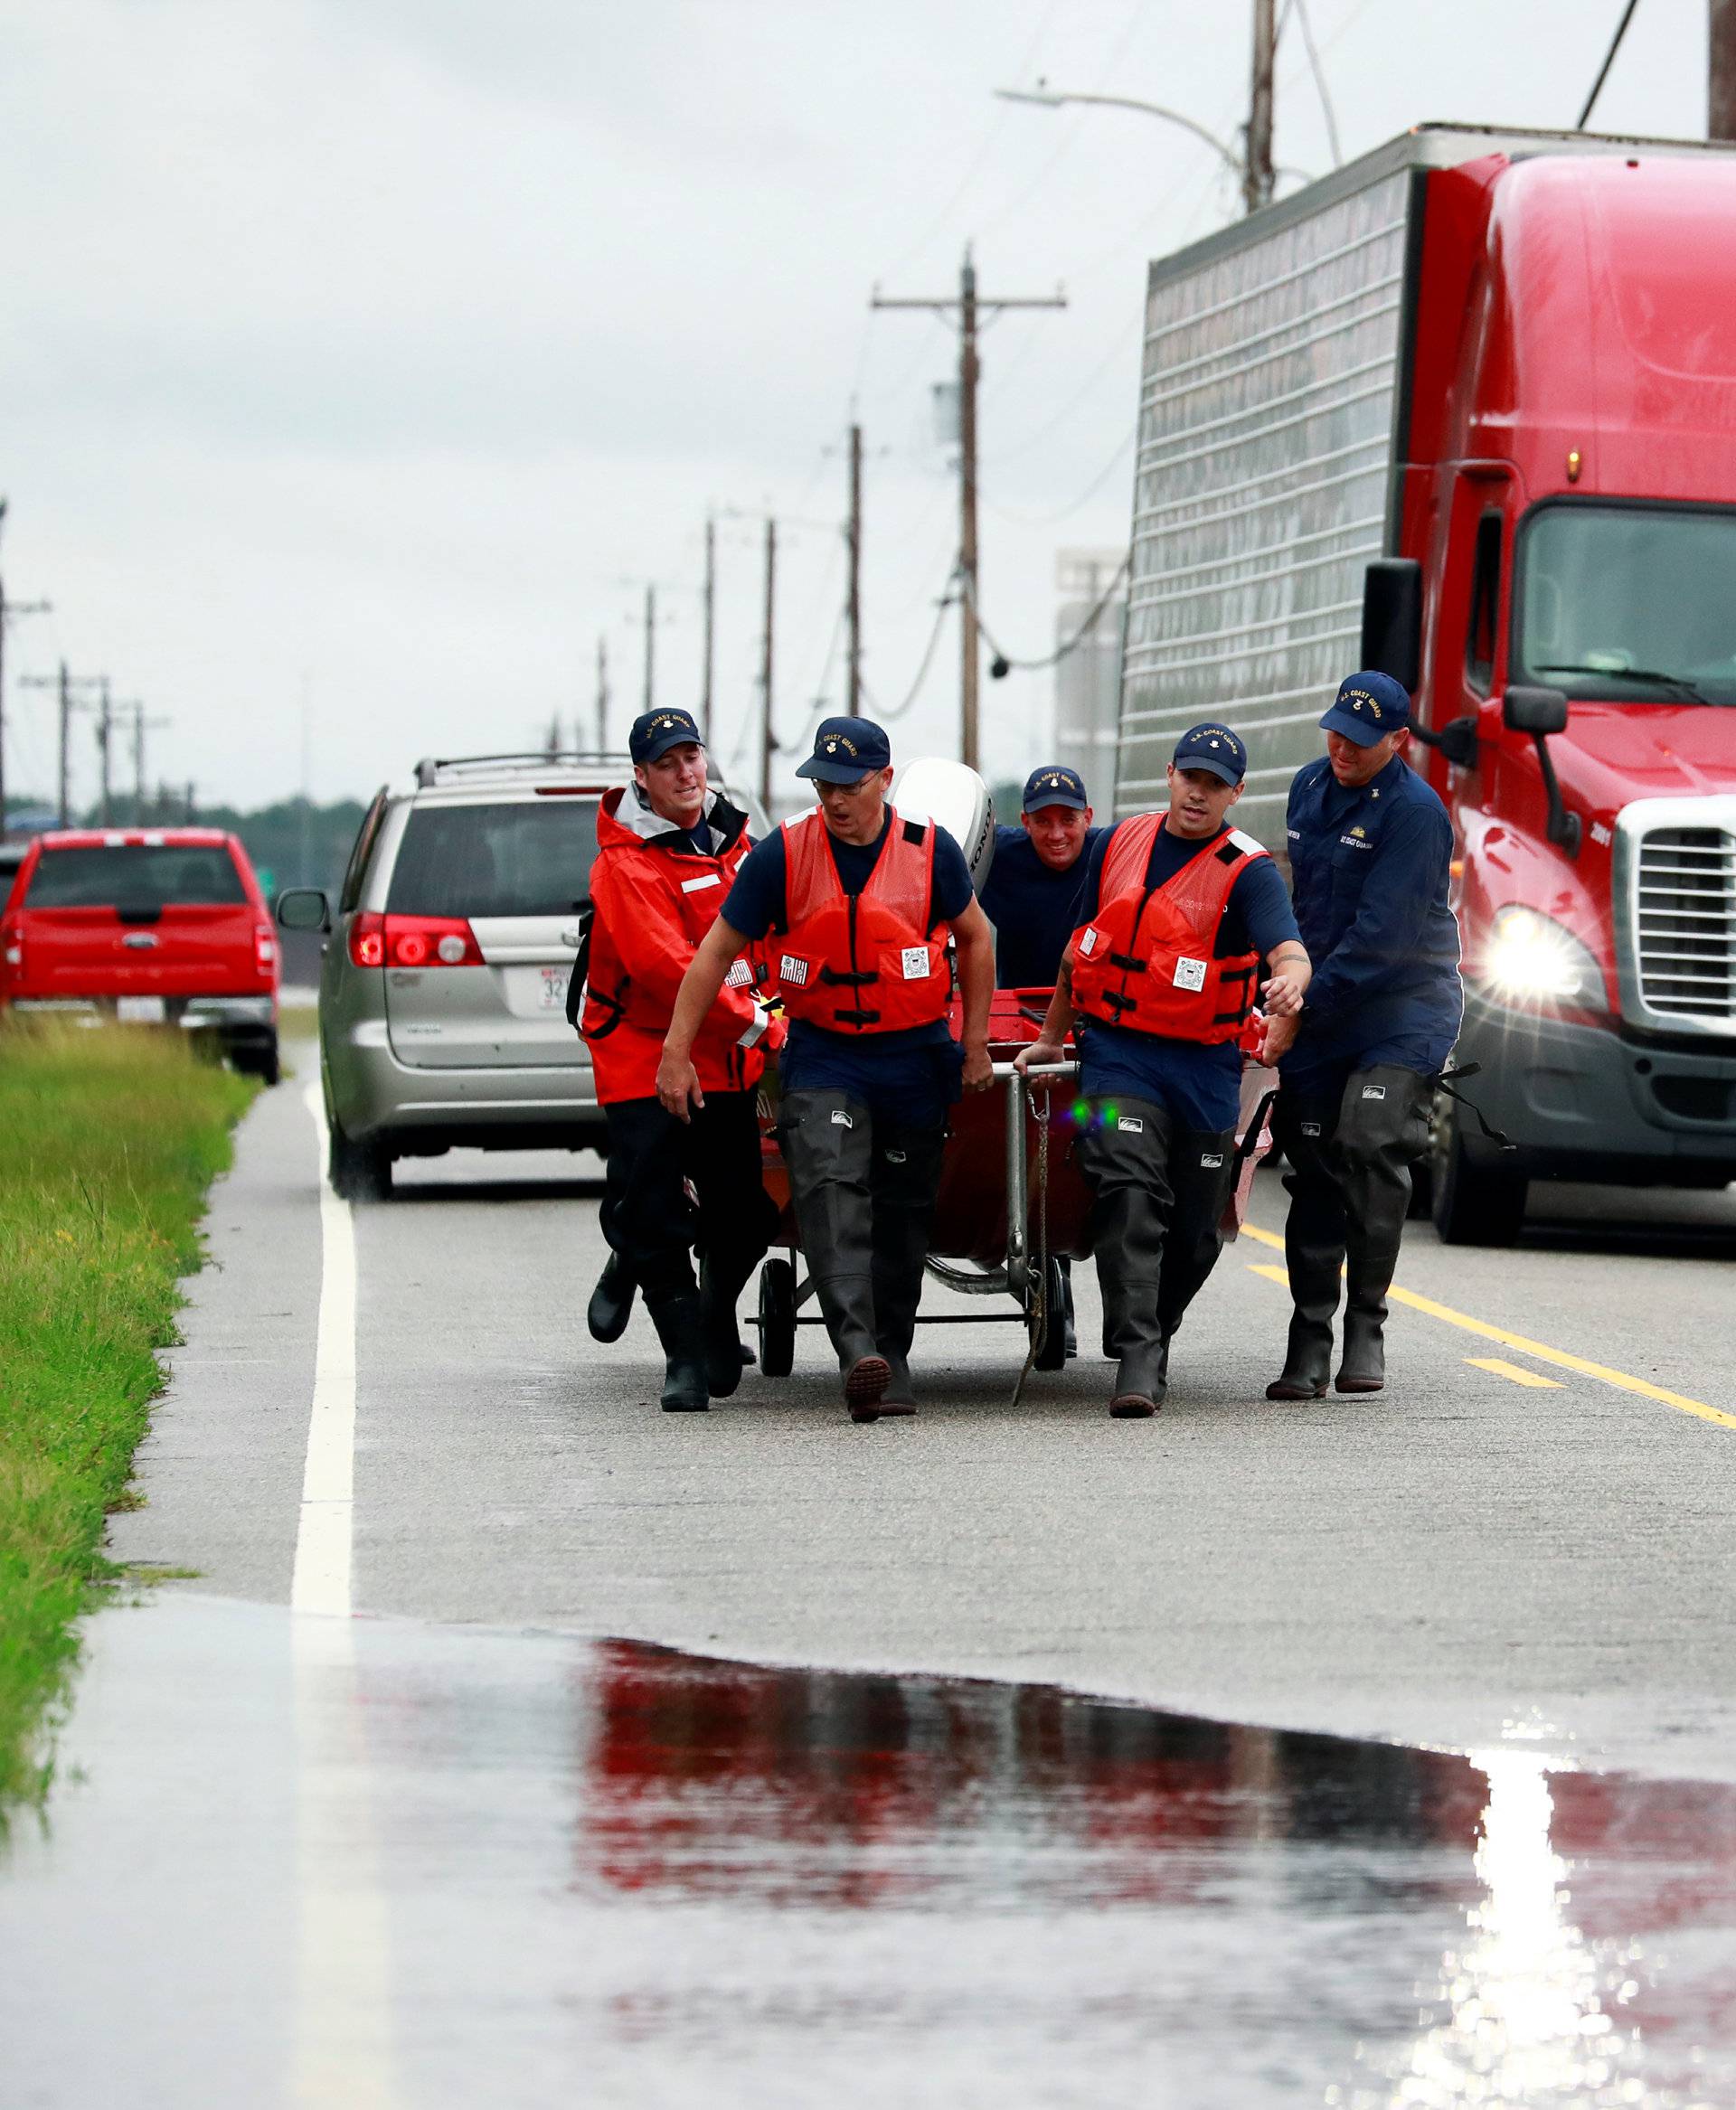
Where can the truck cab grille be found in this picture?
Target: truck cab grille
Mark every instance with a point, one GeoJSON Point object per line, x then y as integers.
{"type": "Point", "coordinates": [1676, 864]}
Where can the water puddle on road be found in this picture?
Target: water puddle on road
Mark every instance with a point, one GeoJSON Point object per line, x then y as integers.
{"type": "Point", "coordinates": [386, 1864]}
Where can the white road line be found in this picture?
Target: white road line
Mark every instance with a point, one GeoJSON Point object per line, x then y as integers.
{"type": "Point", "coordinates": [324, 1536]}
{"type": "Point", "coordinates": [342, 2052]}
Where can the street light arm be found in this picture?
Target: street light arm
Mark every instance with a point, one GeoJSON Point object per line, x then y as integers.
{"type": "Point", "coordinates": [1053, 99]}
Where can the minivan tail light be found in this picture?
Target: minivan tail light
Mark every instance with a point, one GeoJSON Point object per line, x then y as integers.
{"type": "Point", "coordinates": [368, 940]}
{"type": "Point", "coordinates": [431, 941]}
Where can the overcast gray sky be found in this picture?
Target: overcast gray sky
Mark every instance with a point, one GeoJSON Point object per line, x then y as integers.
{"type": "Point", "coordinates": [365, 355]}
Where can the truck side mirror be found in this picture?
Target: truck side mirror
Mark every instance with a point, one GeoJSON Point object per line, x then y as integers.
{"type": "Point", "coordinates": [1392, 619]}
{"type": "Point", "coordinates": [1534, 711]}
{"type": "Point", "coordinates": [1539, 712]}
{"type": "Point", "coordinates": [1456, 740]}
{"type": "Point", "coordinates": [304, 908]}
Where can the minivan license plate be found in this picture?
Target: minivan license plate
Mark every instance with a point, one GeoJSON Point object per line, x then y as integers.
{"type": "Point", "coordinates": [140, 1010]}
{"type": "Point", "coordinates": [554, 988]}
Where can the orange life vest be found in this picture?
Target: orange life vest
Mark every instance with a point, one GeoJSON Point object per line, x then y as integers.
{"type": "Point", "coordinates": [862, 963]}
{"type": "Point", "coordinates": [1145, 960]}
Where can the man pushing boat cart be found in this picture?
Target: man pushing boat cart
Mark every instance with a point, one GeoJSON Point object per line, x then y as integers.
{"type": "Point", "coordinates": [873, 1188]}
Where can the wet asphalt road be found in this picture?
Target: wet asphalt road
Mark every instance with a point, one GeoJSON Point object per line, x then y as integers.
{"type": "Point", "coordinates": [474, 1845]}
{"type": "Point", "coordinates": [1462, 1553]}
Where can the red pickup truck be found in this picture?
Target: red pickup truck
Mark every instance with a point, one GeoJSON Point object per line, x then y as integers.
{"type": "Point", "coordinates": [152, 925]}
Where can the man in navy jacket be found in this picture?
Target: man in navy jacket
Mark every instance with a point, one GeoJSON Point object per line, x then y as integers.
{"type": "Point", "coordinates": [1034, 894]}
{"type": "Point", "coordinates": [1369, 847]}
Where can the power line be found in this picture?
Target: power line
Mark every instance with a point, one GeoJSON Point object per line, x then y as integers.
{"type": "Point", "coordinates": [1085, 496]}
{"type": "Point", "coordinates": [1060, 652]}
{"type": "Point", "coordinates": [1318, 71]}
{"type": "Point", "coordinates": [1608, 61]}
{"type": "Point", "coordinates": [941, 606]}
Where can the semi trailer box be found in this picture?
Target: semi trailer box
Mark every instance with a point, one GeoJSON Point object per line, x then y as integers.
{"type": "Point", "coordinates": [1466, 411]}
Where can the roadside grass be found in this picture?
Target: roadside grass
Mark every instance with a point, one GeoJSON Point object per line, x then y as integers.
{"type": "Point", "coordinates": [108, 1141]}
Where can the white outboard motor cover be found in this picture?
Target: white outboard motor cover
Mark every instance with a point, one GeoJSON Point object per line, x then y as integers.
{"type": "Point", "coordinates": [955, 798]}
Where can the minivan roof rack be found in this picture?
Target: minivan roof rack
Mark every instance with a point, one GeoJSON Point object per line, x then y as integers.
{"type": "Point", "coordinates": [429, 769]}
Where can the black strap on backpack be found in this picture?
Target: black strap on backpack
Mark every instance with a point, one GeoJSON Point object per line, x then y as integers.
{"type": "Point", "coordinates": [576, 980]}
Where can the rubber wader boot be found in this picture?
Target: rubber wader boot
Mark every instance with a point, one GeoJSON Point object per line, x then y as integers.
{"type": "Point", "coordinates": [828, 1149]}
{"type": "Point", "coordinates": [1123, 1162]}
{"type": "Point", "coordinates": [906, 1177]}
{"type": "Point", "coordinates": [680, 1322]}
{"type": "Point", "coordinates": [611, 1302]}
{"type": "Point", "coordinates": [1382, 1128]}
{"type": "Point", "coordinates": [1202, 1171]}
{"type": "Point", "coordinates": [725, 1355]}
{"type": "Point", "coordinates": [1313, 1249]}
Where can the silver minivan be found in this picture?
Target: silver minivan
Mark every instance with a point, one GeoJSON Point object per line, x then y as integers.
{"type": "Point", "coordinates": [443, 982]}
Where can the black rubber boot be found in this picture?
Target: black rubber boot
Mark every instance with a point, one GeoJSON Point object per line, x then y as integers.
{"type": "Point", "coordinates": [828, 1148]}
{"type": "Point", "coordinates": [680, 1322]}
{"type": "Point", "coordinates": [1383, 1130]}
{"type": "Point", "coordinates": [725, 1357]}
{"type": "Point", "coordinates": [1067, 1306]}
{"type": "Point", "coordinates": [611, 1302]}
{"type": "Point", "coordinates": [1314, 1245]}
{"type": "Point", "coordinates": [1125, 1164]}
{"type": "Point", "coordinates": [905, 1178]}
{"type": "Point", "coordinates": [1202, 1171]}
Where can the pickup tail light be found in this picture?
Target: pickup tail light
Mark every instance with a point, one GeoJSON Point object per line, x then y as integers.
{"type": "Point", "coordinates": [265, 946]}
{"type": "Point", "coordinates": [413, 941]}
{"type": "Point", "coordinates": [13, 944]}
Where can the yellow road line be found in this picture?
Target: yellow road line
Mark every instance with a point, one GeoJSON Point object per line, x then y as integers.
{"type": "Point", "coordinates": [1540, 1349]}
{"type": "Point", "coordinates": [1535, 1378]}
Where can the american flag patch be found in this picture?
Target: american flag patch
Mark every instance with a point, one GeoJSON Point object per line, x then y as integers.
{"type": "Point", "coordinates": [739, 976]}
{"type": "Point", "coordinates": [793, 971]}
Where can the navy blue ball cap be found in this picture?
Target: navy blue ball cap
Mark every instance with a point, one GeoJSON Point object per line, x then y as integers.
{"type": "Point", "coordinates": [1214, 748]}
{"type": "Point", "coordinates": [1368, 707]}
{"type": "Point", "coordinates": [654, 732]}
{"type": "Point", "coordinates": [845, 750]}
{"type": "Point", "coordinates": [1054, 786]}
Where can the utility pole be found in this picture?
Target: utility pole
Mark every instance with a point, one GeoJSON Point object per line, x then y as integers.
{"type": "Point", "coordinates": [650, 648]}
{"type": "Point", "coordinates": [1259, 177]}
{"type": "Point", "coordinates": [602, 695]}
{"type": "Point", "coordinates": [8, 610]}
{"type": "Point", "coordinates": [852, 703]}
{"type": "Point", "coordinates": [970, 308]}
{"type": "Point", "coordinates": [63, 683]}
{"type": "Point", "coordinates": [711, 627]}
{"type": "Point", "coordinates": [105, 738]}
{"type": "Point", "coordinates": [1721, 71]}
{"type": "Point", "coordinates": [768, 739]}
{"type": "Point", "coordinates": [140, 723]}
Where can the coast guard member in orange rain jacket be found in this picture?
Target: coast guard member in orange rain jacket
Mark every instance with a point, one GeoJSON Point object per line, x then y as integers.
{"type": "Point", "coordinates": [667, 849]}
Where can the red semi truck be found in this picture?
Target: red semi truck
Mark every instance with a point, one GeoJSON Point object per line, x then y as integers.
{"type": "Point", "coordinates": [1466, 411]}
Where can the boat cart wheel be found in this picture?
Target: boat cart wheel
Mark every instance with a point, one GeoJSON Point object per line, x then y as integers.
{"type": "Point", "coordinates": [1052, 1350]}
{"type": "Point", "coordinates": [776, 1318]}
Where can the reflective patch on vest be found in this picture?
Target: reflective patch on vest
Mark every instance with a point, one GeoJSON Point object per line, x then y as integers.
{"type": "Point", "coordinates": [739, 976]}
{"type": "Point", "coordinates": [915, 959]}
{"type": "Point", "coordinates": [1311, 1129]}
{"type": "Point", "coordinates": [1249, 845]}
{"type": "Point", "coordinates": [1130, 1125]}
{"type": "Point", "coordinates": [793, 971]}
{"type": "Point", "coordinates": [698, 886]}
{"type": "Point", "coordinates": [1087, 943]}
{"type": "Point", "coordinates": [840, 1119]}
{"type": "Point", "coordinates": [1190, 974]}
{"type": "Point", "coordinates": [1373, 1091]}
{"type": "Point", "coordinates": [1211, 1161]}
{"type": "Point", "coordinates": [893, 1157]}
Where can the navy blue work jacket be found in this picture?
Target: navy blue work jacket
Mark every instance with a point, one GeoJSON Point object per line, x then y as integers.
{"type": "Point", "coordinates": [1368, 872]}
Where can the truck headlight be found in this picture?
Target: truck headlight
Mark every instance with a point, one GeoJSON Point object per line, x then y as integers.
{"type": "Point", "coordinates": [1531, 958]}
